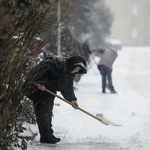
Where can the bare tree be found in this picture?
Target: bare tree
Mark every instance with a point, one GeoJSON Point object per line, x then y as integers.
{"type": "Point", "coordinates": [93, 21]}
{"type": "Point", "coordinates": [69, 44]}
{"type": "Point", "coordinates": [20, 22]}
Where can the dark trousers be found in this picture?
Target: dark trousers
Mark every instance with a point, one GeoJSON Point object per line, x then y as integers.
{"type": "Point", "coordinates": [106, 75]}
{"type": "Point", "coordinates": [43, 106]}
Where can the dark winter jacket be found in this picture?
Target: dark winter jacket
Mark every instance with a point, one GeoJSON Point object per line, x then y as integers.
{"type": "Point", "coordinates": [55, 74]}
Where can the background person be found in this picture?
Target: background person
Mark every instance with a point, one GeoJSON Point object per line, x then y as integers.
{"type": "Point", "coordinates": [107, 57]}
{"type": "Point", "coordinates": [86, 50]}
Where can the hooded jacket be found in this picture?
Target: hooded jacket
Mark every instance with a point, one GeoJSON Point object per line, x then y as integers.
{"type": "Point", "coordinates": [108, 56]}
{"type": "Point", "coordinates": [55, 74]}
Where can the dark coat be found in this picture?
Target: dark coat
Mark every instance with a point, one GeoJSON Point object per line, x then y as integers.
{"type": "Point", "coordinates": [86, 51]}
{"type": "Point", "coordinates": [55, 74]}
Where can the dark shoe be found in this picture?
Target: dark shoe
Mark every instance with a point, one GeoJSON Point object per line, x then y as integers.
{"type": "Point", "coordinates": [58, 139]}
{"type": "Point", "coordinates": [112, 90]}
{"type": "Point", "coordinates": [51, 139]}
{"type": "Point", "coordinates": [103, 91]}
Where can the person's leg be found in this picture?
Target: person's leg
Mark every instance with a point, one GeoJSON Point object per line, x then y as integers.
{"type": "Point", "coordinates": [103, 73]}
{"type": "Point", "coordinates": [43, 111]}
{"type": "Point", "coordinates": [109, 76]}
{"type": "Point", "coordinates": [110, 83]}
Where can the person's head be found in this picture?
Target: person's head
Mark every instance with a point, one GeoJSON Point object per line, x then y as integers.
{"type": "Point", "coordinates": [78, 63]}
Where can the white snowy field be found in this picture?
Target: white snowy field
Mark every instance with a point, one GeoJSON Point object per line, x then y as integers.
{"type": "Point", "coordinates": [130, 107]}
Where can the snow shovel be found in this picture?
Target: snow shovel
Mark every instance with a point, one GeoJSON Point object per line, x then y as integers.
{"type": "Point", "coordinates": [100, 117]}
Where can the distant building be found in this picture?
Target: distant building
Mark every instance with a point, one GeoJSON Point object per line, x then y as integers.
{"type": "Point", "coordinates": [131, 21]}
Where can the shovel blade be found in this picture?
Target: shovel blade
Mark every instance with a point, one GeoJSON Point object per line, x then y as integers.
{"type": "Point", "coordinates": [107, 121]}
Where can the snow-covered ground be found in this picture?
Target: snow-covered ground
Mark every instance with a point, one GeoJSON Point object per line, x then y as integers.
{"type": "Point", "coordinates": [130, 107]}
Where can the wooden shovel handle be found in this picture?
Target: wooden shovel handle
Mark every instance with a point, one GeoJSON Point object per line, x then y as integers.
{"type": "Point", "coordinates": [70, 103]}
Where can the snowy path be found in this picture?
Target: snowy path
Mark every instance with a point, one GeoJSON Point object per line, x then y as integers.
{"type": "Point", "coordinates": [77, 146]}
{"type": "Point", "coordinates": [130, 107]}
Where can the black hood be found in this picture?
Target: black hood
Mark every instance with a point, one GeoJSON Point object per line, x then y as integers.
{"type": "Point", "coordinates": [75, 61]}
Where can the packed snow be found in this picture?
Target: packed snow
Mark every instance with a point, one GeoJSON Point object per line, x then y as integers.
{"type": "Point", "coordinates": [130, 107]}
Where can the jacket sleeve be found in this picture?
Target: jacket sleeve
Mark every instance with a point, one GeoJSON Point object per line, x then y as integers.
{"type": "Point", "coordinates": [68, 94]}
{"type": "Point", "coordinates": [66, 88]}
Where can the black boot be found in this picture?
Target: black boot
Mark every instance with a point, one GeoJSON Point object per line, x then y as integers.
{"type": "Point", "coordinates": [50, 139]}
{"type": "Point", "coordinates": [58, 139]}
{"type": "Point", "coordinates": [112, 90]}
{"type": "Point", "coordinates": [103, 91]}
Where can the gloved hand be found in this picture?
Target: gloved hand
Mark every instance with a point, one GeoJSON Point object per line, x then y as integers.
{"type": "Point", "coordinates": [41, 87]}
{"type": "Point", "coordinates": [74, 104]}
